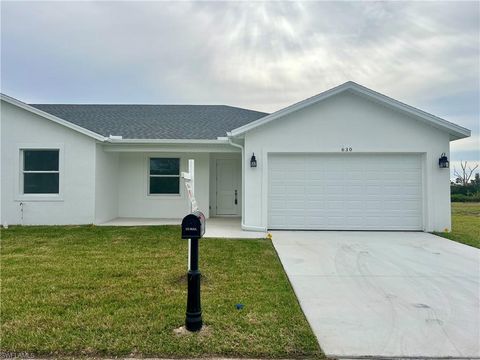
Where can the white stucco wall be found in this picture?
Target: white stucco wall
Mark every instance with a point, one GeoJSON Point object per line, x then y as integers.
{"type": "Point", "coordinates": [106, 184]}
{"type": "Point", "coordinates": [75, 204]}
{"type": "Point", "coordinates": [133, 198]}
{"type": "Point", "coordinates": [353, 121]}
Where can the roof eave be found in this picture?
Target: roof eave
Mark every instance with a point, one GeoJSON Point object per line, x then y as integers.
{"type": "Point", "coordinates": [168, 141]}
{"type": "Point", "coordinates": [456, 131]}
{"type": "Point", "coordinates": [51, 117]}
{"type": "Point", "coordinates": [285, 111]}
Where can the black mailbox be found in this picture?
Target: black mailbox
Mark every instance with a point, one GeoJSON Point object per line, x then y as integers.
{"type": "Point", "coordinates": [193, 225]}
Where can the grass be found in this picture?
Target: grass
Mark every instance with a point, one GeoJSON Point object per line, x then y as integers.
{"type": "Point", "coordinates": [111, 291]}
{"type": "Point", "coordinates": [465, 224]}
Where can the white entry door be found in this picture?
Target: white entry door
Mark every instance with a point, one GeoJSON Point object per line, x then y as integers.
{"type": "Point", "coordinates": [345, 191]}
{"type": "Point", "coordinates": [228, 187]}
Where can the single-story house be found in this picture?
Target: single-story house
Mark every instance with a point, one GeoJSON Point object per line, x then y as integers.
{"type": "Point", "coordinates": [349, 158]}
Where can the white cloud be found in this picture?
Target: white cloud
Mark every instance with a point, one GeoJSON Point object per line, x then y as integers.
{"type": "Point", "coordinates": [472, 142]}
{"type": "Point", "coordinates": [261, 55]}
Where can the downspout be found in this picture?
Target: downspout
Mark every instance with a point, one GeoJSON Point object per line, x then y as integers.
{"type": "Point", "coordinates": [243, 178]}
{"type": "Point", "coordinates": [243, 226]}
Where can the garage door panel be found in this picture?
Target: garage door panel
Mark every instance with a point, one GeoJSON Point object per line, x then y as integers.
{"type": "Point", "coordinates": [297, 220]}
{"type": "Point", "coordinates": [292, 190]}
{"type": "Point", "coordinates": [337, 221]}
{"type": "Point", "coordinates": [277, 204]}
{"type": "Point", "coordinates": [412, 190]}
{"type": "Point", "coordinates": [370, 204]}
{"type": "Point", "coordinates": [277, 220]}
{"type": "Point", "coordinates": [347, 191]}
{"type": "Point", "coordinates": [348, 182]}
{"type": "Point", "coordinates": [394, 189]}
{"type": "Point", "coordinates": [334, 189]}
{"type": "Point", "coordinates": [316, 200]}
{"type": "Point", "coordinates": [315, 205]}
{"type": "Point", "coordinates": [354, 221]}
{"type": "Point", "coordinates": [354, 190]}
{"type": "Point", "coordinates": [354, 204]}
{"type": "Point", "coordinates": [354, 174]}
{"type": "Point", "coordinates": [412, 205]}
{"type": "Point", "coordinates": [374, 190]}
{"type": "Point", "coordinates": [316, 223]}
{"type": "Point", "coordinates": [374, 220]}
{"type": "Point", "coordinates": [317, 178]}
{"type": "Point", "coordinates": [277, 189]}
{"type": "Point", "coordinates": [295, 204]}
{"type": "Point", "coordinates": [293, 175]}
{"type": "Point", "coordinates": [390, 176]}
{"type": "Point", "coordinates": [410, 178]}
{"type": "Point", "coordinates": [390, 205]}
{"type": "Point", "coordinates": [354, 198]}
{"type": "Point", "coordinates": [316, 192]}
{"type": "Point", "coordinates": [333, 205]}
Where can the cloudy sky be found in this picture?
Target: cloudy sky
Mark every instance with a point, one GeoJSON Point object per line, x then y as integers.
{"type": "Point", "coordinates": [258, 55]}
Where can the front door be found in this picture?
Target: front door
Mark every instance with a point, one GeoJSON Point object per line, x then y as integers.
{"type": "Point", "coordinates": [228, 187]}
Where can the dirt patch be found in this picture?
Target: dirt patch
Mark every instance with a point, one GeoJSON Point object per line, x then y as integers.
{"type": "Point", "coordinates": [182, 331]}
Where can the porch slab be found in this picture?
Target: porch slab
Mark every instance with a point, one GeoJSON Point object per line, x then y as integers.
{"type": "Point", "coordinates": [230, 228]}
{"type": "Point", "coordinates": [125, 221]}
{"type": "Point", "coordinates": [217, 227]}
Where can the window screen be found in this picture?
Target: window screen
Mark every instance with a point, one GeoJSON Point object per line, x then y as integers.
{"type": "Point", "coordinates": [164, 176]}
{"type": "Point", "coordinates": [41, 171]}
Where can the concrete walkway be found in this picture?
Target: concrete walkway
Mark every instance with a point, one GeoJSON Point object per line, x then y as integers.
{"type": "Point", "coordinates": [385, 294]}
{"type": "Point", "coordinates": [217, 227]}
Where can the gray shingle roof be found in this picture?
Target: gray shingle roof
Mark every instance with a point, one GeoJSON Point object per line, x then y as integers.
{"type": "Point", "coordinates": [155, 121]}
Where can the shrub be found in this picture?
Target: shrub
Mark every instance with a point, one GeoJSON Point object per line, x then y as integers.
{"type": "Point", "coordinates": [459, 198]}
{"type": "Point", "coordinates": [466, 198]}
{"type": "Point", "coordinates": [470, 189]}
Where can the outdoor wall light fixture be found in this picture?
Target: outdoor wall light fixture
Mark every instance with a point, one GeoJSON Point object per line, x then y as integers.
{"type": "Point", "coordinates": [443, 162]}
{"type": "Point", "coordinates": [253, 161]}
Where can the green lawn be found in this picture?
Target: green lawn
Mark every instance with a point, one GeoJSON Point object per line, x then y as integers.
{"type": "Point", "coordinates": [98, 291]}
{"type": "Point", "coordinates": [465, 224]}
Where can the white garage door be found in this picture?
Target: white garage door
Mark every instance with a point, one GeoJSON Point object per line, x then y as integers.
{"type": "Point", "coordinates": [345, 192]}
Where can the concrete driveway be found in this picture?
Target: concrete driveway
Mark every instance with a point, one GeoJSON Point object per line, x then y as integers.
{"type": "Point", "coordinates": [390, 294]}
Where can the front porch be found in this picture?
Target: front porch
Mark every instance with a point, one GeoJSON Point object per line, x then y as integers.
{"type": "Point", "coordinates": [141, 186]}
{"type": "Point", "coordinates": [217, 227]}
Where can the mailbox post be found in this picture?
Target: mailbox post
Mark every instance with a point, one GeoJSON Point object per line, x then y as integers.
{"type": "Point", "coordinates": [193, 228]}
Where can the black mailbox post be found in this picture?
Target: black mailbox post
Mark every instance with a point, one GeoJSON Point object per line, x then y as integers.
{"type": "Point", "coordinates": [193, 228]}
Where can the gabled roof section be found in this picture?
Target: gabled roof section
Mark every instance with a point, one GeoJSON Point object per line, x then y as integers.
{"type": "Point", "coordinates": [455, 131]}
{"type": "Point", "coordinates": [149, 122]}
{"type": "Point", "coordinates": [51, 117]}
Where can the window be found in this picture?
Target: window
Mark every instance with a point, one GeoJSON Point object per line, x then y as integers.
{"type": "Point", "coordinates": [164, 176]}
{"type": "Point", "coordinates": [41, 171]}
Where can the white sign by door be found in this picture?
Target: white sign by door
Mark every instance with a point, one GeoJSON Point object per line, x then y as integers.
{"type": "Point", "coordinates": [189, 178]}
{"type": "Point", "coordinates": [191, 197]}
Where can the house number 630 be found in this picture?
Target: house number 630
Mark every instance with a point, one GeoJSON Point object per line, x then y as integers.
{"type": "Point", "coordinates": [346, 149]}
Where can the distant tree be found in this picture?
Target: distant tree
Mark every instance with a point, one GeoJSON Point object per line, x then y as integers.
{"type": "Point", "coordinates": [463, 177]}
{"type": "Point", "coordinates": [476, 180]}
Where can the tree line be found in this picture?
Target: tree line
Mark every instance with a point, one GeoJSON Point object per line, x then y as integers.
{"type": "Point", "coordinates": [466, 186]}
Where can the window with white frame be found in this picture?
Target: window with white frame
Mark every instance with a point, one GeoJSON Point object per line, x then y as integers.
{"type": "Point", "coordinates": [164, 176]}
{"type": "Point", "coordinates": [40, 171]}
